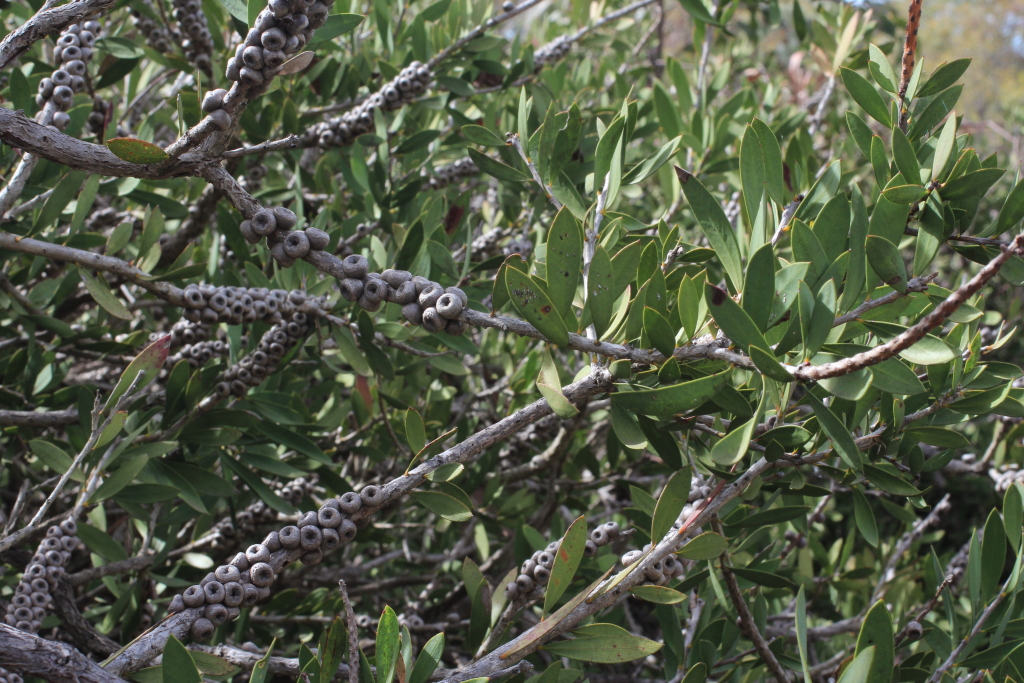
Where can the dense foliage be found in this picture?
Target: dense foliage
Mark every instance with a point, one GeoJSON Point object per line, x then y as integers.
{"type": "Point", "coordinates": [451, 341]}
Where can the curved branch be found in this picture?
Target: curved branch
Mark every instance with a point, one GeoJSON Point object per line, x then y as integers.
{"type": "Point", "coordinates": [31, 655]}
{"type": "Point", "coordinates": [30, 418]}
{"type": "Point", "coordinates": [46, 22]}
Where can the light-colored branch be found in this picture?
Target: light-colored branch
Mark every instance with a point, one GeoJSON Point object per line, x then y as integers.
{"type": "Point", "coordinates": [353, 634]}
{"type": "Point", "coordinates": [29, 418]}
{"type": "Point", "coordinates": [290, 142]}
{"type": "Point", "coordinates": [30, 655]}
{"type": "Point", "coordinates": [520, 146]}
{"type": "Point", "coordinates": [47, 22]}
{"type": "Point", "coordinates": [479, 31]}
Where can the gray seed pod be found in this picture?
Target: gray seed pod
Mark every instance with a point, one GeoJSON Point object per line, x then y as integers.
{"type": "Point", "coordinates": [296, 244]}
{"type": "Point", "coordinates": [227, 573]}
{"type": "Point", "coordinates": [202, 629]}
{"type": "Point", "coordinates": [654, 576]}
{"type": "Point", "coordinates": [525, 584]}
{"type": "Point", "coordinates": [542, 574]}
{"type": "Point", "coordinates": [432, 320]}
{"type": "Point", "coordinates": [50, 543]}
{"type": "Point", "coordinates": [528, 567]}
{"type": "Point", "coordinates": [456, 328]}
{"type": "Point", "coordinates": [286, 218]}
{"type": "Point", "coordinates": [612, 529]}
{"type": "Point", "coordinates": [430, 294]}
{"type": "Point", "coordinates": [264, 222]}
{"type": "Point", "coordinates": [177, 605]}
{"type": "Point", "coordinates": [590, 549]}
{"type": "Point", "coordinates": [277, 251]}
{"type": "Point", "coordinates": [308, 519]}
{"type": "Point", "coordinates": [40, 584]}
{"type": "Point", "coordinates": [347, 530]}
{"type": "Point", "coordinates": [241, 563]}
{"type": "Point", "coordinates": [193, 596]}
{"type": "Point", "coordinates": [413, 313]}
{"type": "Point", "coordinates": [216, 613]}
{"type": "Point", "coordinates": [54, 558]}
{"type": "Point", "coordinates": [459, 293]}
{"type": "Point", "coordinates": [508, 6]}
{"type": "Point", "coordinates": [631, 557]}
{"type": "Point", "coordinates": [371, 496]}
{"type": "Point", "coordinates": [351, 289]}
{"type": "Point", "coordinates": [272, 59]}
{"type": "Point", "coordinates": [396, 278]}
{"type": "Point", "coordinates": [403, 294]}
{"type": "Point", "coordinates": [331, 539]}
{"type": "Point", "coordinates": [318, 239]}
{"type": "Point", "coordinates": [545, 559]}
{"type": "Point", "coordinates": [55, 531]}
{"type": "Point", "coordinates": [350, 502]}
{"type": "Point", "coordinates": [367, 304]}
{"type": "Point", "coordinates": [511, 591]}
{"type": "Point", "coordinates": [251, 595]}
{"type": "Point", "coordinates": [329, 517]}
{"type": "Point", "coordinates": [214, 100]}
{"type": "Point", "coordinates": [233, 71]}
{"type": "Point", "coordinates": [252, 57]}
{"type": "Point", "coordinates": [355, 266]}
{"type": "Point", "coordinates": [261, 574]}
{"type": "Point", "coordinates": [263, 592]}
{"type": "Point", "coordinates": [599, 536]}
{"type": "Point", "coordinates": [289, 536]}
{"type": "Point", "coordinates": [449, 306]}
{"type": "Point", "coordinates": [250, 77]}
{"type": "Point", "coordinates": [214, 592]}
{"type": "Point", "coordinates": [257, 553]}
{"type": "Point", "coordinates": [220, 119]}
{"type": "Point", "coordinates": [313, 556]}
{"type": "Point", "coordinates": [375, 290]}
{"type": "Point", "coordinates": [914, 631]}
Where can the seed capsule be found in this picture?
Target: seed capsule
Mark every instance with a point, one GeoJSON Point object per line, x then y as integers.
{"type": "Point", "coordinates": [193, 596]}
{"type": "Point", "coordinates": [525, 583]}
{"type": "Point", "coordinates": [289, 536]}
{"type": "Point", "coordinates": [347, 530]}
{"type": "Point", "coordinates": [219, 119]}
{"type": "Point", "coordinates": [449, 306]}
{"type": "Point", "coordinates": [432, 320]}
{"type": "Point", "coordinates": [202, 629]}
{"type": "Point", "coordinates": [350, 502]}
{"type": "Point", "coordinates": [296, 245]}
{"type": "Point", "coordinates": [430, 294]}
{"type": "Point", "coordinates": [261, 574]}
{"type": "Point", "coordinates": [355, 266]}
{"type": "Point", "coordinates": [286, 218]}
{"type": "Point", "coordinates": [318, 239]}
{"type": "Point", "coordinates": [371, 496]}
{"type": "Point", "coordinates": [413, 313]}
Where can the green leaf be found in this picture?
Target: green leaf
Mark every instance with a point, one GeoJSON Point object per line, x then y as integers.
{"type": "Point", "coordinates": [936, 110]}
{"type": "Point", "coordinates": [837, 433]}
{"type": "Point", "coordinates": [387, 649]}
{"type": "Point", "coordinates": [564, 259]}
{"type": "Point", "coordinates": [769, 365]}
{"type": "Point", "coordinates": [601, 290]}
{"type": "Point", "coordinates": [860, 669]}
{"type": "Point", "coordinates": [930, 350]}
{"type": "Point", "coordinates": [337, 25]}
{"type": "Point", "coordinates": [887, 261]}
{"type": "Point", "coordinates": [660, 595]}
{"type": "Point", "coordinates": [136, 151]}
{"type": "Point", "coordinates": [905, 157]}
{"type": "Point", "coordinates": [880, 69]}
{"type": "Point", "coordinates": [893, 377]}
{"type": "Point", "coordinates": [937, 436]}
{"type": "Point", "coordinates": [659, 331]}
{"type": "Point", "coordinates": [482, 136]}
{"type": "Point", "coordinates": [567, 140]}
{"type": "Point", "coordinates": [773, 169]}
{"type": "Point", "coordinates": [714, 224]}
{"type": "Point", "coordinates": [567, 560]}
{"type": "Point", "coordinates": [861, 133]}
{"type": "Point", "coordinates": [668, 401]}
{"type": "Point", "coordinates": [627, 428]}
{"type": "Point", "coordinates": [697, 10]}
{"type": "Point", "coordinates": [944, 148]}
{"type": "Point", "coordinates": [651, 164]}
{"type": "Point", "coordinates": [1013, 514]}
{"type": "Point", "coordinates": [759, 287]}
{"type": "Point", "coordinates": [237, 9]}
{"type": "Point", "coordinates": [147, 364]}
{"type": "Point", "coordinates": [904, 194]}
{"type": "Point", "coordinates": [752, 172]}
{"type": "Point", "coordinates": [415, 432]}
{"type": "Point", "coordinates": [731, 448]}
{"type": "Point", "coordinates": [706, 546]}
{"type": "Point", "coordinates": [443, 505]}
{"type": "Point", "coordinates": [772, 517]}
{"type": "Point", "coordinates": [101, 543]}
{"type": "Point", "coordinates": [944, 76]}
{"type": "Point", "coordinates": [866, 96]}
{"type": "Point", "coordinates": [66, 190]}
{"type": "Point", "coordinates": [535, 306]}
{"type": "Point", "coordinates": [428, 660]}
{"type": "Point", "coordinates": [604, 649]}
{"type": "Point", "coordinates": [876, 632]}
{"type": "Point", "coordinates": [123, 476]}
{"type": "Point", "coordinates": [550, 387]}
{"type": "Point", "coordinates": [865, 517]}
{"type": "Point", "coordinates": [670, 503]}
{"type": "Point", "coordinates": [606, 147]}
{"type": "Point", "coordinates": [763, 578]}
{"type": "Point", "coordinates": [178, 665]}
{"type": "Point", "coordinates": [972, 185]}
{"type": "Point", "coordinates": [54, 457]}
{"type": "Point", "coordinates": [732, 319]}
{"type": "Point", "coordinates": [889, 482]}
{"type": "Point", "coordinates": [993, 555]}
{"type": "Point", "coordinates": [103, 296]}
{"type": "Point", "coordinates": [496, 168]}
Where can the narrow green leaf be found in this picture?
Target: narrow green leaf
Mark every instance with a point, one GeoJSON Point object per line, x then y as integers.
{"type": "Point", "coordinates": [103, 296]}
{"type": "Point", "coordinates": [567, 560]}
{"type": "Point", "coordinates": [866, 96]}
{"type": "Point", "coordinates": [1013, 514]}
{"type": "Point", "coordinates": [944, 76]}
{"type": "Point", "coordinates": [860, 669]}
{"type": "Point", "coordinates": [880, 69]}
{"type": "Point", "coordinates": [331, 654]}
{"type": "Point", "coordinates": [865, 517]}
{"type": "Point", "coordinates": [604, 649]}
{"type": "Point", "coordinates": [904, 194]}
{"type": "Point", "coordinates": [731, 448]}
{"type": "Point", "coordinates": [887, 262]}
{"type": "Point", "coordinates": [993, 555]}
{"type": "Point", "coordinates": [443, 505]}
{"type": "Point", "coordinates": [877, 632]}
{"type": "Point", "coordinates": [714, 224]}
{"type": "Point", "coordinates": [550, 387]}
{"type": "Point", "coordinates": [564, 260]}
{"type": "Point", "coordinates": [659, 331]}
{"type": "Point", "coordinates": [759, 286]}
{"type": "Point", "coordinates": [428, 660]}
{"type": "Point", "coordinates": [671, 502]}
{"type": "Point", "coordinates": [388, 635]}
{"type": "Point", "coordinates": [888, 481]}
{"type": "Point", "coordinates": [496, 168]}
{"type": "Point", "coordinates": [601, 290]}
{"type": "Point", "coordinates": [668, 401]}
{"type": "Point", "coordinates": [178, 665]}
{"type": "Point", "coordinates": [659, 595]}
{"type": "Point", "coordinates": [535, 306]}
{"type": "Point", "coordinates": [482, 136]}
{"type": "Point", "coordinates": [944, 148]}
{"type": "Point", "coordinates": [773, 169]}
{"type": "Point", "coordinates": [706, 546]}
{"type": "Point", "coordinates": [262, 667]}
{"type": "Point", "coordinates": [415, 432]}
{"type": "Point", "coordinates": [136, 151]}
{"type": "Point", "coordinates": [905, 157]}
{"type": "Point", "coordinates": [837, 433]}
{"type": "Point", "coordinates": [147, 365]}
{"type": "Point", "coordinates": [801, 632]}
{"type": "Point", "coordinates": [732, 319]}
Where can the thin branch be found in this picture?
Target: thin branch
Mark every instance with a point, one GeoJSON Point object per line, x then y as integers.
{"type": "Point", "coordinates": [909, 55]}
{"type": "Point", "coordinates": [29, 418]}
{"type": "Point", "coordinates": [513, 140]}
{"type": "Point", "coordinates": [353, 634]}
{"type": "Point", "coordinates": [290, 142]}
{"type": "Point", "coordinates": [47, 22]}
{"type": "Point", "coordinates": [30, 655]}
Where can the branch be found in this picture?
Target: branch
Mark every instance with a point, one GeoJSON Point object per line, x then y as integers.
{"type": "Point", "coordinates": [46, 22]}
{"type": "Point", "coordinates": [909, 53]}
{"type": "Point", "coordinates": [912, 335]}
{"type": "Point", "coordinates": [29, 418]}
{"type": "Point", "coordinates": [31, 655]}
{"type": "Point", "coordinates": [353, 634]}
{"type": "Point", "coordinates": [479, 31]}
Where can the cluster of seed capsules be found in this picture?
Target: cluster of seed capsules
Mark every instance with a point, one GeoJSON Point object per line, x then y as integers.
{"type": "Point", "coordinates": [423, 302]}
{"type": "Point", "coordinates": [1006, 475]}
{"type": "Point", "coordinates": [452, 173]}
{"type": "Point", "coordinates": [199, 44]}
{"type": "Point", "coordinates": [552, 52]}
{"type": "Point", "coordinates": [246, 579]}
{"type": "Point", "coordinates": [252, 181]}
{"type": "Point", "coordinates": [73, 52]}
{"type": "Point", "coordinates": [659, 573]}
{"type": "Point", "coordinates": [536, 571]}
{"type": "Point", "coordinates": [209, 304]}
{"type": "Point", "coordinates": [286, 244]}
{"type": "Point", "coordinates": [198, 353]}
{"type": "Point", "coordinates": [251, 370]}
{"type": "Point", "coordinates": [33, 596]}
{"type": "Point", "coordinates": [411, 81]}
{"type": "Point", "coordinates": [157, 37]}
{"type": "Point", "coordinates": [245, 522]}
{"type": "Point", "coordinates": [281, 29]}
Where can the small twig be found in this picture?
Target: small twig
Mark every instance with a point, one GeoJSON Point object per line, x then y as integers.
{"type": "Point", "coordinates": [290, 142]}
{"type": "Point", "coordinates": [909, 53]}
{"type": "Point", "coordinates": [787, 216]}
{"type": "Point", "coordinates": [353, 634]}
{"type": "Point", "coordinates": [513, 139]}
{"type": "Point", "coordinates": [926, 610]}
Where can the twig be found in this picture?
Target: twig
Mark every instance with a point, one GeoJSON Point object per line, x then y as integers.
{"type": "Point", "coordinates": [353, 634]}
{"type": "Point", "coordinates": [909, 53]}
{"type": "Point", "coordinates": [513, 139]}
{"type": "Point", "coordinates": [479, 31]}
{"type": "Point", "coordinates": [787, 216]}
{"type": "Point", "coordinates": [925, 611]}
{"type": "Point", "coordinates": [290, 142]}
{"type": "Point", "coordinates": [904, 544]}
{"type": "Point", "coordinates": [917, 284]}
{"type": "Point", "coordinates": [989, 609]}
{"type": "Point", "coordinates": [30, 655]}
{"type": "Point", "coordinates": [30, 418]}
